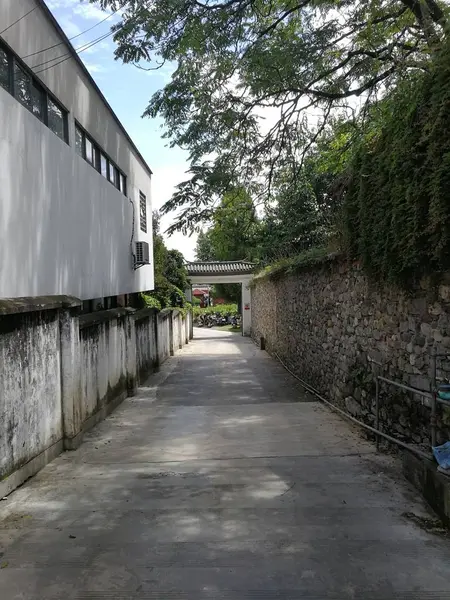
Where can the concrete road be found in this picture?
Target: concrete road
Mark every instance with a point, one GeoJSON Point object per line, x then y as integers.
{"type": "Point", "coordinates": [221, 480]}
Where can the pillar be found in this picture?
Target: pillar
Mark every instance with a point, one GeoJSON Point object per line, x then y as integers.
{"type": "Point", "coordinates": [70, 376]}
{"type": "Point", "coordinates": [246, 309]}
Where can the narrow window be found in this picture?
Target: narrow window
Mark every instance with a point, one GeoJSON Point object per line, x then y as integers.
{"type": "Point", "coordinates": [22, 83]}
{"type": "Point", "coordinates": [96, 157]}
{"type": "Point", "coordinates": [37, 100]}
{"type": "Point", "coordinates": [110, 172]}
{"type": "Point", "coordinates": [123, 184]}
{"type": "Point", "coordinates": [79, 139]}
{"type": "Point", "coordinates": [143, 212]}
{"type": "Point", "coordinates": [89, 151]}
{"type": "Point", "coordinates": [29, 92]}
{"type": "Point", "coordinates": [116, 177]}
{"type": "Point", "coordinates": [4, 70]}
{"type": "Point", "coordinates": [56, 119]}
{"type": "Point", "coordinates": [104, 166]}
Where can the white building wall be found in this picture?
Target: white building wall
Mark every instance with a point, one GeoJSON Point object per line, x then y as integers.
{"type": "Point", "coordinates": [64, 229]}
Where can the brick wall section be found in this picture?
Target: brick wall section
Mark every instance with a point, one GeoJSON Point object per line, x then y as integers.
{"type": "Point", "coordinates": [329, 320]}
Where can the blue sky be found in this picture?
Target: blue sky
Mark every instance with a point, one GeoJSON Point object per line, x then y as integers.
{"type": "Point", "coordinates": [128, 90]}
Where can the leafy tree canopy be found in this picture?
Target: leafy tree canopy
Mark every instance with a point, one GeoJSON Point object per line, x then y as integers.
{"type": "Point", "coordinates": [170, 272]}
{"type": "Point", "coordinates": [258, 82]}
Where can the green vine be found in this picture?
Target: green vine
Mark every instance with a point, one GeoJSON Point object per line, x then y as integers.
{"type": "Point", "coordinates": [397, 201]}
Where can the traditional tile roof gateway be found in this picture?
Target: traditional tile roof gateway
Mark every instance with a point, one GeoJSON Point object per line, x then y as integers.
{"type": "Point", "coordinates": [235, 267]}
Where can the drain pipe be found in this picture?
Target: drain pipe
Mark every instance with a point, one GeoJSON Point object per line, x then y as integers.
{"type": "Point", "coordinates": [377, 432]}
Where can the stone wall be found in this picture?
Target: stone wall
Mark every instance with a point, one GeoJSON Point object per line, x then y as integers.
{"type": "Point", "coordinates": [61, 373]}
{"type": "Point", "coordinates": [336, 329]}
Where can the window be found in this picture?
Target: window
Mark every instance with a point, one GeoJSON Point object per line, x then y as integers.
{"type": "Point", "coordinates": [123, 184]}
{"type": "Point", "coordinates": [116, 179]}
{"type": "Point", "coordinates": [89, 150]}
{"type": "Point", "coordinates": [104, 166]}
{"type": "Point", "coordinates": [143, 212]}
{"type": "Point", "coordinates": [56, 119]}
{"type": "Point", "coordinates": [4, 70]}
{"type": "Point", "coordinates": [79, 141]}
{"type": "Point", "coordinates": [31, 93]}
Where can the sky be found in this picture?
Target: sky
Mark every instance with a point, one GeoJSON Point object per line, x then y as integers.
{"type": "Point", "coordinates": [128, 91]}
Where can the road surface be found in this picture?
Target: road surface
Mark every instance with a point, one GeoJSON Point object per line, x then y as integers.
{"type": "Point", "coordinates": [221, 480]}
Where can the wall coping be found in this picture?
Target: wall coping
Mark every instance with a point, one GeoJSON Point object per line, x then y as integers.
{"type": "Point", "coordinates": [144, 313]}
{"type": "Point", "coordinates": [14, 306]}
{"type": "Point", "coordinates": [104, 316]}
{"type": "Point", "coordinates": [293, 266]}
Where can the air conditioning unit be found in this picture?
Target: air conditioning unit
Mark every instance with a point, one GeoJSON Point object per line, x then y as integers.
{"type": "Point", "coordinates": [142, 254]}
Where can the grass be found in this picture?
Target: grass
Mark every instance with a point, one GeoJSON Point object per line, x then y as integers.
{"type": "Point", "coordinates": [295, 264]}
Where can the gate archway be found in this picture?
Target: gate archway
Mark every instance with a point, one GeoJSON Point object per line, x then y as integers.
{"type": "Point", "coordinates": [236, 271]}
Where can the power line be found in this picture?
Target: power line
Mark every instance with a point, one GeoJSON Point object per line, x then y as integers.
{"type": "Point", "coordinates": [71, 38]}
{"type": "Point", "coordinates": [68, 55]}
{"type": "Point", "coordinates": [15, 22]}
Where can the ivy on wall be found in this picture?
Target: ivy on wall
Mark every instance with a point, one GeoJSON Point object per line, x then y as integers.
{"type": "Point", "coordinates": [397, 201]}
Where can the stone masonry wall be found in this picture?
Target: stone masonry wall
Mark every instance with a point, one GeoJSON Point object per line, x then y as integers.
{"type": "Point", "coordinates": [328, 323]}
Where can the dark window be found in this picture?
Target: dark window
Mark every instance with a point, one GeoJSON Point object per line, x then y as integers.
{"type": "Point", "coordinates": [57, 119]}
{"type": "Point", "coordinates": [90, 152]}
{"type": "Point", "coordinates": [4, 70]}
{"type": "Point", "coordinates": [116, 178]}
{"type": "Point", "coordinates": [29, 92]}
{"type": "Point", "coordinates": [143, 211]}
{"type": "Point", "coordinates": [79, 141]}
{"type": "Point", "coordinates": [104, 165]}
{"type": "Point", "coordinates": [96, 157]}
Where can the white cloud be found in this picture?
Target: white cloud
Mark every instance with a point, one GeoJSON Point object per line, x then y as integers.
{"type": "Point", "coordinates": [90, 11]}
{"type": "Point", "coordinates": [83, 8]}
{"type": "Point", "coordinates": [164, 181]}
{"type": "Point", "coordinates": [69, 26]}
{"type": "Point", "coordinates": [165, 72]}
{"type": "Point", "coordinates": [94, 68]}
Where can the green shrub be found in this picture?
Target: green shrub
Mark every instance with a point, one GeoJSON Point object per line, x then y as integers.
{"type": "Point", "coordinates": [221, 309]}
{"type": "Point", "coordinates": [148, 301]}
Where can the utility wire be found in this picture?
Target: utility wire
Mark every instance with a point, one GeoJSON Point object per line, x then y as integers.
{"type": "Point", "coordinates": [68, 55]}
{"type": "Point", "coordinates": [71, 38]}
{"type": "Point", "coordinates": [15, 22]}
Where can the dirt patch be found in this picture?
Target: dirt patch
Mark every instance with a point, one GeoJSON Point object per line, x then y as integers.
{"type": "Point", "coordinates": [428, 524]}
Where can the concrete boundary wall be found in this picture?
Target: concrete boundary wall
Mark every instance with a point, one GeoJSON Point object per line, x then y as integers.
{"type": "Point", "coordinates": [62, 372]}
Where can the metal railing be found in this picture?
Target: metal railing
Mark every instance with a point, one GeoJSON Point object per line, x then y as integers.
{"type": "Point", "coordinates": [431, 397]}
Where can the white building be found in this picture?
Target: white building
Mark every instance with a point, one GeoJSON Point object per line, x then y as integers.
{"type": "Point", "coordinates": [75, 193]}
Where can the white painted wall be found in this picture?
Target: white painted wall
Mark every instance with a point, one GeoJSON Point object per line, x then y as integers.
{"type": "Point", "coordinates": [30, 388]}
{"type": "Point", "coordinates": [64, 229]}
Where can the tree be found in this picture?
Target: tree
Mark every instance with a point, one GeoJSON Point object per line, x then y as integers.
{"type": "Point", "coordinates": [175, 270]}
{"type": "Point", "coordinates": [303, 214]}
{"type": "Point", "coordinates": [237, 58]}
{"type": "Point", "coordinates": [205, 249]}
{"type": "Point", "coordinates": [169, 269]}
